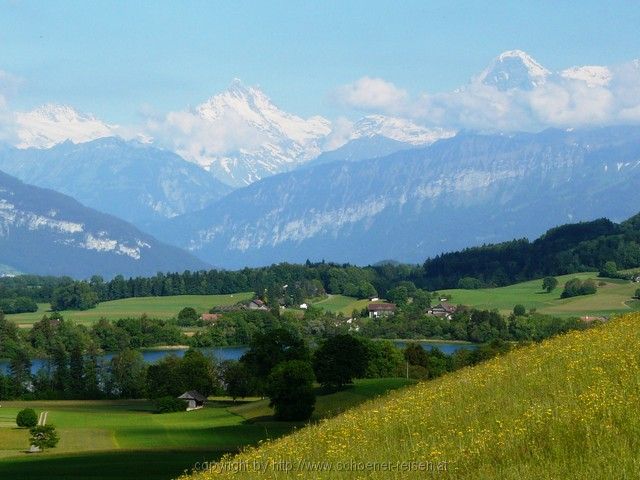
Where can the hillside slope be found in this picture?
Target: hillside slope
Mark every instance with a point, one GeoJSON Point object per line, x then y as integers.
{"type": "Point", "coordinates": [131, 180]}
{"type": "Point", "coordinates": [48, 233]}
{"type": "Point", "coordinates": [566, 408]}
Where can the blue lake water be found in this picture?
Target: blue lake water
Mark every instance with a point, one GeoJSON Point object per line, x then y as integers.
{"type": "Point", "coordinates": [229, 353]}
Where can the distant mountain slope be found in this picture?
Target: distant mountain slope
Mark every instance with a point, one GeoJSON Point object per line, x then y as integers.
{"type": "Point", "coordinates": [571, 248]}
{"type": "Point", "coordinates": [362, 148]}
{"type": "Point", "coordinates": [464, 191]}
{"type": "Point", "coordinates": [45, 232]}
{"type": "Point", "coordinates": [135, 182]}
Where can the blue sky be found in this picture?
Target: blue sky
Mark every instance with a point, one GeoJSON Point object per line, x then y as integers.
{"type": "Point", "coordinates": [115, 59]}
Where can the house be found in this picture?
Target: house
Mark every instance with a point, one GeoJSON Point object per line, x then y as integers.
{"type": "Point", "coordinates": [210, 317]}
{"type": "Point", "coordinates": [590, 319]}
{"type": "Point", "coordinates": [381, 309]}
{"type": "Point", "coordinates": [194, 399]}
{"type": "Point", "coordinates": [443, 309]}
{"type": "Point", "coordinates": [257, 304]}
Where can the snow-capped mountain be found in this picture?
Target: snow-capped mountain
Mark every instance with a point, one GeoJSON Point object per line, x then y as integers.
{"type": "Point", "coordinates": [136, 182]}
{"type": "Point", "coordinates": [463, 191]}
{"type": "Point", "coordinates": [51, 124]}
{"type": "Point", "coordinates": [241, 136]}
{"type": "Point", "coordinates": [398, 129]}
{"type": "Point", "coordinates": [592, 75]}
{"type": "Point", "coordinates": [513, 69]}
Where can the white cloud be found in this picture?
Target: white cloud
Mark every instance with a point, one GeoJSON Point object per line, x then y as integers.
{"type": "Point", "coordinates": [341, 133]}
{"type": "Point", "coordinates": [562, 100]}
{"type": "Point", "coordinates": [195, 137]}
{"type": "Point", "coordinates": [372, 94]}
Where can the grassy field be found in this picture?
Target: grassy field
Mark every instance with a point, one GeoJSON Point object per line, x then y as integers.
{"type": "Point", "coordinates": [562, 409]}
{"type": "Point", "coordinates": [612, 298]}
{"type": "Point", "coordinates": [156, 307]}
{"type": "Point", "coordinates": [341, 304]}
{"type": "Point", "coordinates": [125, 440]}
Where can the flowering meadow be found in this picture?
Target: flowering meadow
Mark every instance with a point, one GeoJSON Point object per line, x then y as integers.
{"type": "Point", "coordinates": [568, 407]}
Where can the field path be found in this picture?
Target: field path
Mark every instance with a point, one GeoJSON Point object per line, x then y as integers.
{"type": "Point", "coordinates": [42, 420]}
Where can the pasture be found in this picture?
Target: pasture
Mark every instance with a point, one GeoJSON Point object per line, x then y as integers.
{"type": "Point", "coordinates": [614, 297]}
{"type": "Point", "coordinates": [155, 307]}
{"type": "Point", "coordinates": [124, 439]}
{"type": "Point", "coordinates": [341, 304]}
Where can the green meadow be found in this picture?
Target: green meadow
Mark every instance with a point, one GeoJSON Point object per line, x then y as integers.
{"type": "Point", "coordinates": [613, 297]}
{"type": "Point", "coordinates": [156, 307]}
{"type": "Point", "coordinates": [124, 439]}
{"type": "Point", "coordinates": [564, 408]}
{"type": "Point", "coordinates": [341, 304]}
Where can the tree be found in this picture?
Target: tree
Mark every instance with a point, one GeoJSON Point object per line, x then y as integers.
{"type": "Point", "coordinates": [199, 372]}
{"type": "Point", "coordinates": [27, 418]}
{"type": "Point", "coordinates": [20, 372]}
{"type": "Point", "coordinates": [469, 283]}
{"type": "Point", "coordinates": [290, 390]}
{"type": "Point", "coordinates": [609, 270]}
{"type": "Point", "coordinates": [414, 354]}
{"type": "Point", "coordinates": [128, 372]}
{"type": "Point", "coordinates": [237, 379]}
{"type": "Point", "coordinates": [398, 295]}
{"type": "Point", "coordinates": [44, 436]}
{"type": "Point", "coordinates": [164, 378]}
{"type": "Point", "coordinates": [549, 284]}
{"type": "Point", "coordinates": [575, 287]}
{"type": "Point", "coordinates": [269, 348]}
{"type": "Point", "coordinates": [75, 296]}
{"type": "Point", "coordinates": [187, 317]}
{"type": "Point", "coordinates": [339, 360]}
{"type": "Point", "coordinates": [519, 310]}
{"type": "Point", "coordinates": [383, 359]}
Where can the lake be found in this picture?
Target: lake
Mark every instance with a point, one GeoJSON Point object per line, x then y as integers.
{"type": "Point", "coordinates": [231, 353]}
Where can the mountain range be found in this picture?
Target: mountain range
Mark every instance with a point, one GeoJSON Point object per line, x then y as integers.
{"type": "Point", "coordinates": [131, 180]}
{"type": "Point", "coordinates": [238, 181]}
{"type": "Point", "coordinates": [458, 192]}
{"type": "Point", "coordinates": [45, 232]}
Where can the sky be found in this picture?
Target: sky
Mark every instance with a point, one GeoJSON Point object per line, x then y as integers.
{"type": "Point", "coordinates": [121, 59]}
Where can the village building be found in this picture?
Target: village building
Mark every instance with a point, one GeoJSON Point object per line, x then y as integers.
{"type": "Point", "coordinates": [194, 400]}
{"type": "Point", "coordinates": [210, 317]}
{"type": "Point", "coordinates": [381, 309]}
{"type": "Point", "coordinates": [443, 310]}
{"type": "Point", "coordinates": [257, 304]}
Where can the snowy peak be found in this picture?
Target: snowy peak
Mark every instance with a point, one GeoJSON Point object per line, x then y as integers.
{"type": "Point", "coordinates": [398, 129]}
{"type": "Point", "coordinates": [51, 124]}
{"type": "Point", "coordinates": [251, 105]}
{"type": "Point", "coordinates": [513, 69]}
{"type": "Point", "coordinates": [243, 137]}
{"type": "Point", "coordinates": [592, 75]}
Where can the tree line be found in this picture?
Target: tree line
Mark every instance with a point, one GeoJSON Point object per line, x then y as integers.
{"type": "Point", "coordinates": [562, 250]}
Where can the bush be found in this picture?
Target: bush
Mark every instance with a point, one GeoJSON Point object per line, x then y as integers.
{"type": "Point", "coordinates": [27, 418]}
{"type": "Point", "coordinates": [169, 405]}
{"type": "Point", "coordinates": [519, 310]}
{"type": "Point", "coordinates": [469, 283]}
{"type": "Point", "coordinates": [549, 283]}
{"type": "Point", "coordinates": [44, 436]}
{"type": "Point", "coordinates": [575, 287]}
{"type": "Point", "coordinates": [18, 305]}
